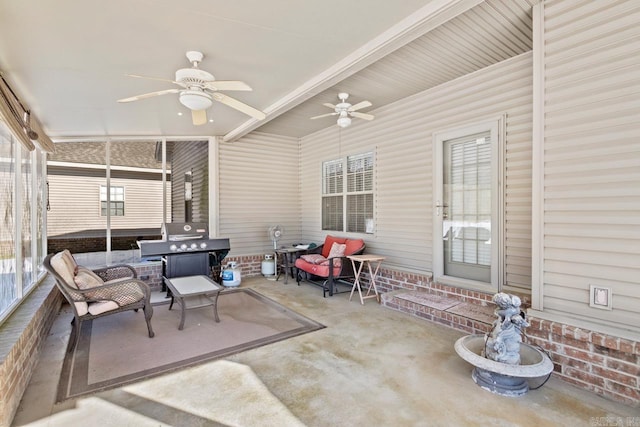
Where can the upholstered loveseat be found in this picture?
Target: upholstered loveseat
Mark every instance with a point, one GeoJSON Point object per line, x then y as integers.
{"type": "Point", "coordinates": [95, 293]}
{"type": "Point", "coordinates": [327, 265]}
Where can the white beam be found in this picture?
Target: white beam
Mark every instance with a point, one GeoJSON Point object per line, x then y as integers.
{"type": "Point", "coordinates": [431, 16]}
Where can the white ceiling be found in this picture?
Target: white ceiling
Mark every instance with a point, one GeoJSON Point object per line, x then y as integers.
{"type": "Point", "coordinates": [67, 59]}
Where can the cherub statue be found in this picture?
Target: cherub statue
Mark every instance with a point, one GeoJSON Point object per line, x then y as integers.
{"type": "Point", "coordinates": [503, 344]}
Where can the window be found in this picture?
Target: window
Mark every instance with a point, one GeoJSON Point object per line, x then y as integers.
{"type": "Point", "coordinates": [348, 207]}
{"type": "Point", "coordinates": [117, 201]}
{"type": "Point", "coordinates": [21, 222]}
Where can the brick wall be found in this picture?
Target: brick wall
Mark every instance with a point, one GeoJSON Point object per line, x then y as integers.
{"type": "Point", "coordinates": [22, 337]}
{"type": "Point", "coordinates": [250, 265]}
{"type": "Point", "coordinates": [94, 244]}
{"type": "Point", "coordinates": [604, 364]}
{"type": "Point", "coordinates": [150, 273]}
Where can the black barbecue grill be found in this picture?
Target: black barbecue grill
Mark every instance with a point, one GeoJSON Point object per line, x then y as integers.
{"type": "Point", "coordinates": [186, 249]}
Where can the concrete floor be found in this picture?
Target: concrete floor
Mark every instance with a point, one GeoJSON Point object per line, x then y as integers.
{"type": "Point", "coordinates": [371, 366]}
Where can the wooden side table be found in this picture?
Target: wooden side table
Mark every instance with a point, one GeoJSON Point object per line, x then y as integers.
{"type": "Point", "coordinates": [366, 259]}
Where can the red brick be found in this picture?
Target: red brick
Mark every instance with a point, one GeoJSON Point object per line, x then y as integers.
{"type": "Point", "coordinates": [537, 333]}
{"type": "Point", "coordinates": [582, 355]}
{"type": "Point", "coordinates": [571, 362]}
{"type": "Point", "coordinates": [535, 324]}
{"type": "Point", "coordinates": [569, 341]}
{"type": "Point", "coordinates": [443, 322]}
{"type": "Point", "coordinates": [581, 384]}
{"type": "Point", "coordinates": [583, 376]}
{"type": "Point", "coordinates": [532, 340]}
{"type": "Point", "coordinates": [581, 335]}
{"type": "Point", "coordinates": [616, 376]}
{"type": "Point", "coordinates": [625, 357]}
{"type": "Point", "coordinates": [556, 329]}
{"type": "Point", "coordinates": [612, 343]}
{"type": "Point", "coordinates": [627, 368]}
{"type": "Point", "coordinates": [626, 346]}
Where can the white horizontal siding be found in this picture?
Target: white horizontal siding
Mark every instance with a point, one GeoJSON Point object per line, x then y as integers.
{"type": "Point", "coordinates": [190, 156]}
{"type": "Point", "coordinates": [401, 136]}
{"type": "Point", "coordinates": [489, 33]}
{"type": "Point", "coordinates": [74, 202]}
{"type": "Point", "coordinates": [592, 158]}
{"type": "Point", "coordinates": [258, 184]}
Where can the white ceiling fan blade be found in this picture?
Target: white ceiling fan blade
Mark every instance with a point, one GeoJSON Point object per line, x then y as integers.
{"type": "Point", "coordinates": [199, 117]}
{"type": "Point", "coordinates": [137, 76]}
{"type": "Point", "coordinates": [227, 85]}
{"type": "Point", "coordinates": [362, 115]}
{"type": "Point", "coordinates": [149, 95]}
{"type": "Point", "coordinates": [240, 106]}
{"type": "Point", "coordinates": [360, 105]}
{"type": "Point", "coordinates": [326, 104]}
{"type": "Point", "coordinates": [324, 115]}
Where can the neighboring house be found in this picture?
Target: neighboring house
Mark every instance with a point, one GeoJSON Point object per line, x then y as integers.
{"type": "Point", "coordinates": [77, 204]}
{"type": "Point", "coordinates": [77, 216]}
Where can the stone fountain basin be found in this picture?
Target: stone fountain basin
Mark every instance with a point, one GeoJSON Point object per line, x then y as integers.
{"type": "Point", "coordinates": [533, 362]}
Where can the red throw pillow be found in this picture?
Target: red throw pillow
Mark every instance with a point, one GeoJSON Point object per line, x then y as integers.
{"type": "Point", "coordinates": [353, 245]}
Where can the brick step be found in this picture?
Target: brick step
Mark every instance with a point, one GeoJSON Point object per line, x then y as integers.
{"type": "Point", "coordinates": [474, 318]}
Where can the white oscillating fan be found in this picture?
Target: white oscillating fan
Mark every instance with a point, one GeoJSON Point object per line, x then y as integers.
{"type": "Point", "coordinates": [275, 233]}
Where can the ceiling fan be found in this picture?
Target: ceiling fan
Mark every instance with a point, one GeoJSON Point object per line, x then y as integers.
{"type": "Point", "coordinates": [199, 89]}
{"type": "Point", "coordinates": [345, 111]}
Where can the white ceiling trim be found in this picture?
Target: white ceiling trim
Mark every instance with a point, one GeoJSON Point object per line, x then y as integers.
{"type": "Point", "coordinates": [119, 138]}
{"type": "Point", "coordinates": [424, 20]}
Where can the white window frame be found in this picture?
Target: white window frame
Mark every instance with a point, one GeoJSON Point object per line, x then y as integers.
{"type": "Point", "coordinates": [498, 134]}
{"type": "Point", "coordinates": [114, 198]}
{"type": "Point", "coordinates": [341, 186]}
{"type": "Point", "coordinates": [19, 265]}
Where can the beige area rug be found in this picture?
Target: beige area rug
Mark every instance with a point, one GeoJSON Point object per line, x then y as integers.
{"type": "Point", "coordinates": [115, 350]}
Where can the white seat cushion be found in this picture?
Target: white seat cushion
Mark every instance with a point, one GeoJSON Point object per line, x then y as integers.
{"type": "Point", "coordinates": [100, 307]}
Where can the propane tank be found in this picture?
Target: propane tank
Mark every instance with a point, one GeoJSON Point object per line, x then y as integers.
{"type": "Point", "coordinates": [231, 275]}
{"type": "Point", "coordinates": [268, 265]}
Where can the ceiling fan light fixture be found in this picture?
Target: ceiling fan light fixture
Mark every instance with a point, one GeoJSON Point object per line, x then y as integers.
{"type": "Point", "coordinates": [344, 121]}
{"type": "Point", "coordinates": [195, 100]}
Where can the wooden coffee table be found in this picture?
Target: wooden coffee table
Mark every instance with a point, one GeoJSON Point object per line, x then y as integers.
{"type": "Point", "coordinates": [185, 287]}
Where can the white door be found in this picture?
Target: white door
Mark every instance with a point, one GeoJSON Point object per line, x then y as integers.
{"type": "Point", "coordinates": [467, 206]}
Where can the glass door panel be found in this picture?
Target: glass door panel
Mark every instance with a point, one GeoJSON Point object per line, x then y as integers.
{"type": "Point", "coordinates": [467, 207]}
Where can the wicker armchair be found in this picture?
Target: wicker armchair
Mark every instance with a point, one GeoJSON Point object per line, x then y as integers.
{"type": "Point", "coordinates": [118, 290]}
